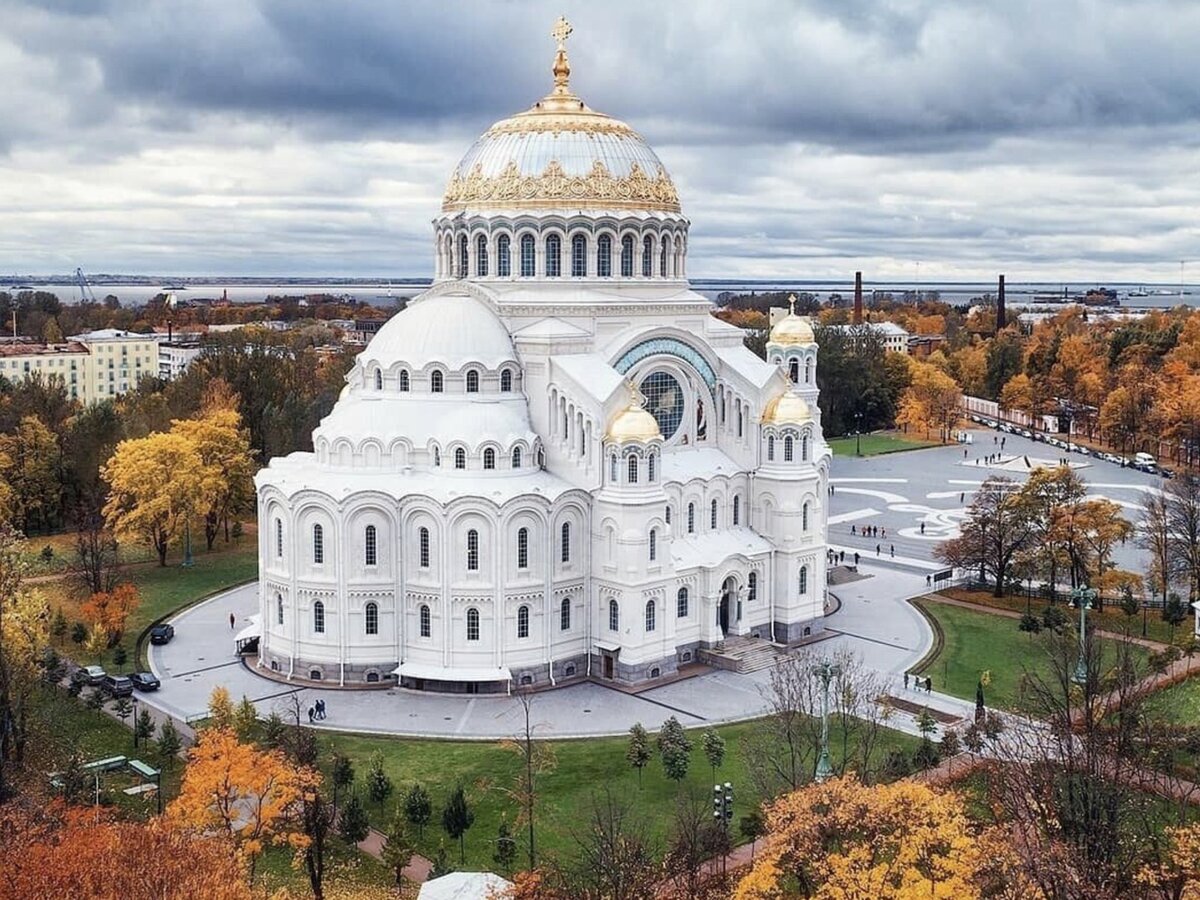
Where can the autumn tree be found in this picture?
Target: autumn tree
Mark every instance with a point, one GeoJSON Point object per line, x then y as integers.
{"type": "Point", "coordinates": [999, 525]}
{"type": "Point", "coordinates": [841, 838]}
{"type": "Point", "coordinates": [251, 797]}
{"type": "Point", "coordinates": [29, 464]}
{"type": "Point", "coordinates": [536, 758]}
{"type": "Point", "coordinates": [108, 612]}
{"type": "Point", "coordinates": [398, 848]}
{"type": "Point", "coordinates": [931, 402]}
{"type": "Point", "coordinates": [228, 464]}
{"type": "Point", "coordinates": [156, 483]}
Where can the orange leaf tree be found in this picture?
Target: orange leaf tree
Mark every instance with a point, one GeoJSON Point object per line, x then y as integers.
{"type": "Point", "coordinates": [250, 796]}
{"type": "Point", "coordinates": [108, 611]}
{"type": "Point", "coordinates": [845, 839]}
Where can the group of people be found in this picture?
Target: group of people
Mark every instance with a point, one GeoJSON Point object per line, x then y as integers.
{"type": "Point", "coordinates": [918, 683]}
{"type": "Point", "coordinates": [869, 531]}
{"type": "Point", "coordinates": [316, 711]}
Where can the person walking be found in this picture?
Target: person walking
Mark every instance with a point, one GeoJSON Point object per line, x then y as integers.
{"type": "Point", "coordinates": [852, 529]}
{"type": "Point", "coordinates": [878, 549]}
{"type": "Point", "coordinates": [311, 713]}
{"type": "Point", "coordinates": [232, 620]}
{"type": "Point", "coordinates": [320, 709]}
{"type": "Point", "coordinates": [856, 559]}
{"type": "Point", "coordinates": [922, 528]}
{"type": "Point", "coordinates": [893, 551]}
{"type": "Point", "coordinates": [906, 681]}
{"type": "Point", "coordinates": [928, 685]}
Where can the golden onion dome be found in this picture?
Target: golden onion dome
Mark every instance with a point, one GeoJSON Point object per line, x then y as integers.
{"type": "Point", "coordinates": [560, 153]}
{"type": "Point", "coordinates": [634, 423]}
{"type": "Point", "coordinates": [792, 329]}
{"type": "Point", "coordinates": [788, 408]}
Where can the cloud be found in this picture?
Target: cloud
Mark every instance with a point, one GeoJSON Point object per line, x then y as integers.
{"type": "Point", "coordinates": [290, 136]}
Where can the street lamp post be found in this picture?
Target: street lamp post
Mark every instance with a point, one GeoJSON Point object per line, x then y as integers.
{"type": "Point", "coordinates": [858, 434]}
{"type": "Point", "coordinates": [1084, 597]}
{"type": "Point", "coordinates": [135, 721]}
{"type": "Point", "coordinates": [826, 671]}
{"type": "Point", "coordinates": [723, 813]}
{"type": "Point", "coordinates": [187, 542]}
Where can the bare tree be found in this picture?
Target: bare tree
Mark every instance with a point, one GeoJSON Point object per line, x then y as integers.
{"type": "Point", "coordinates": [695, 840]}
{"type": "Point", "coordinates": [1183, 501]}
{"type": "Point", "coordinates": [94, 568]}
{"type": "Point", "coordinates": [1154, 536]}
{"type": "Point", "coordinates": [1000, 524]}
{"type": "Point", "coordinates": [780, 750]}
{"type": "Point", "coordinates": [615, 858]}
{"type": "Point", "coordinates": [537, 758]}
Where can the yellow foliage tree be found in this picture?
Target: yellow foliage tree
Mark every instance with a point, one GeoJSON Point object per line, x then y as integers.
{"type": "Point", "coordinates": [1178, 876]}
{"type": "Point", "coordinates": [108, 611]}
{"type": "Point", "coordinates": [155, 484]}
{"type": "Point", "coordinates": [843, 839]}
{"type": "Point", "coordinates": [227, 460]}
{"type": "Point", "coordinates": [29, 461]}
{"type": "Point", "coordinates": [250, 796]}
{"type": "Point", "coordinates": [220, 708]}
{"type": "Point", "coordinates": [931, 402]}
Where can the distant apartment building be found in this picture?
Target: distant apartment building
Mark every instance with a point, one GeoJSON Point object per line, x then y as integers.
{"type": "Point", "coordinates": [93, 366]}
{"type": "Point", "coordinates": [175, 356]}
{"type": "Point", "coordinates": [894, 337]}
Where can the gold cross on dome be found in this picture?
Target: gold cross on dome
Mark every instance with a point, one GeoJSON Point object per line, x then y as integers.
{"type": "Point", "coordinates": [561, 31]}
{"type": "Point", "coordinates": [792, 304]}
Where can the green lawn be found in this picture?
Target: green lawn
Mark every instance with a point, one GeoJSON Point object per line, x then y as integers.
{"type": "Point", "coordinates": [1180, 703]}
{"type": "Point", "coordinates": [875, 444]}
{"type": "Point", "coordinates": [977, 642]}
{"type": "Point", "coordinates": [584, 767]}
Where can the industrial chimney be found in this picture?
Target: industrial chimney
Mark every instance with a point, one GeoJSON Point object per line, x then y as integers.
{"type": "Point", "coordinates": [858, 298]}
{"type": "Point", "coordinates": [1000, 317]}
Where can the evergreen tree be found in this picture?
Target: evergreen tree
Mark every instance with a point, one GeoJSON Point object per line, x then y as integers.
{"type": "Point", "coordinates": [440, 864]}
{"type": "Point", "coordinates": [506, 847]}
{"type": "Point", "coordinates": [143, 726]}
{"type": "Point", "coordinates": [122, 708]}
{"type": "Point", "coordinates": [353, 824]}
{"type": "Point", "coordinates": [398, 848]}
{"type": "Point", "coordinates": [418, 808]}
{"type": "Point", "coordinates": [245, 719]}
{"type": "Point", "coordinates": [79, 633]}
{"type": "Point", "coordinates": [274, 731]}
{"type": "Point", "coordinates": [120, 657]}
{"type": "Point", "coordinates": [713, 746]}
{"type": "Point", "coordinates": [95, 700]}
{"type": "Point", "coordinates": [342, 775]}
{"type": "Point", "coordinates": [674, 749]}
{"type": "Point", "coordinates": [638, 753]}
{"type": "Point", "coordinates": [457, 817]}
{"type": "Point", "coordinates": [169, 743]}
{"type": "Point", "coordinates": [58, 627]}
{"type": "Point", "coordinates": [379, 786]}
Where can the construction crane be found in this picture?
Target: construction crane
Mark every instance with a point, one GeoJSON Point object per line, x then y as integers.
{"type": "Point", "coordinates": [86, 294]}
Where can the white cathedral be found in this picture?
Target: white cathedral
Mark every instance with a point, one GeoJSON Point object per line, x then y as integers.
{"type": "Point", "coordinates": [555, 463]}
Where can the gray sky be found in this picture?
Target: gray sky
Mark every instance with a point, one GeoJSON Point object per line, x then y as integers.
{"type": "Point", "coordinates": [1042, 138]}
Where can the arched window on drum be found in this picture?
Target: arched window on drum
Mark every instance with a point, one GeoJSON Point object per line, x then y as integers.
{"type": "Point", "coordinates": [579, 256]}
{"type": "Point", "coordinates": [503, 257]}
{"type": "Point", "coordinates": [627, 256]}
{"type": "Point", "coordinates": [481, 257]}
{"type": "Point", "coordinates": [371, 618]}
{"type": "Point", "coordinates": [604, 256]}
{"type": "Point", "coordinates": [553, 256]}
{"type": "Point", "coordinates": [528, 256]}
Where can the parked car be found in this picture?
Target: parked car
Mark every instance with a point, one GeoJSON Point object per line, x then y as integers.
{"type": "Point", "coordinates": [89, 675]}
{"type": "Point", "coordinates": [144, 681]}
{"type": "Point", "coordinates": [1026, 433]}
{"type": "Point", "coordinates": [1144, 459]}
{"type": "Point", "coordinates": [117, 685]}
{"type": "Point", "coordinates": [162, 633]}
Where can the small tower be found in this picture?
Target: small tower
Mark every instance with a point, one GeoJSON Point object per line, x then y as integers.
{"type": "Point", "coordinates": [792, 346]}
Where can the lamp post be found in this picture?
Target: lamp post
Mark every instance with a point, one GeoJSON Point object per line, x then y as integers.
{"type": "Point", "coordinates": [826, 671]}
{"type": "Point", "coordinates": [723, 813]}
{"type": "Point", "coordinates": [1084, 597]}
{"type": "Point", "coordinates": [135, 721]}
{"type": "Point", "coordinates": [858, 434]}
{"type": "Point", "coordinates": [187, 541]}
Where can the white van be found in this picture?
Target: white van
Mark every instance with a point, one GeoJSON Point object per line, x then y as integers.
{"type": "Point", "coordinates": [1144, 459]}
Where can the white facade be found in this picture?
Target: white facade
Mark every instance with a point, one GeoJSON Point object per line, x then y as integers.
{"type": "Point", "coordinates": [489, 503]}
{"type": "Point", "coordinates": [94, 366]}
{"type": "Point", "coordinates": [175, 356]}
{"type": "Point", "coordinates": [895, 338]}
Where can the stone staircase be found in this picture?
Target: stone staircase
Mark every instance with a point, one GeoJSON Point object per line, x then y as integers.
{"type": "Point", "coordinates": [742, 654]}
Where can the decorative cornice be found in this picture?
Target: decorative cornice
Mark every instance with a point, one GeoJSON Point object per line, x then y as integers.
{"type": "Point", "coordinates": [553, 187]}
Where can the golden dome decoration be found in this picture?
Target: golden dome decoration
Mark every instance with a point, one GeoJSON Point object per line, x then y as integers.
{"type": "Point", "coordinates": [789, 408]}
{"type": "Point", "coordinates": [792, 329]}
{"type": "Point", "coordinates": [560, 153]}
{"type": "Point", "coordinates": [634, 423]}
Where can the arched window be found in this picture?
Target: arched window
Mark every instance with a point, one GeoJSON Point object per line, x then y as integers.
{"type": "Point", "coordinates": [404, 379]}
{"type": "Point", "coordinates": [614, 616]}
{"type": "Point", "coordinates": [528, 256]}
{"type": "Point", "coordinates": [752, 586]}
{"type": "Point", "coordinates": [653, 544]}
{"type": "Point", "coordinates": [565, 543]}
{"type": "Point", "coordinates": [553, 256]}
{"type": "Point", "coordinates": [462, 257]}
{"type": "Point", "coordinates": [788, 448]}
{"type": "Point", "coordinates": [279, 608]}
{"type": "Point", "coordinates": [712, 516]}
{"type": "Point", "coordinates": [627, 256]}
{"type": "Point", "coordinates": [612, 475]}
{"type": "Point", "coordinates": [371, 556]}
{"type": "Point", "coordinates": [371, 617]}
{"type": "Point", "coordinates": [472, 624]}
{"type": "Point", "coordinates": [378, 380]}
{"type": "Point", "coordinates": [425, 617]}
{"type": "Point", "coordinates": [633, 469]}
{"type": "Point", "coordinates": [662, 260]}
{"type": "Point", "coordinates": [503, 257]}
{"type": "Point", "coordinates": [737, 509]}
{"type": "Point", "coordinates": [650, 468]}
{"type": "Point", "coordinates": [435, 382]}
{"type": "Point", "coordinates": [808, 371]}
{"type": "Point", "coordinates": [423, 543]}
{"type": "Point", "coordinates": [460, 458]}
{"type": "Point", "coordinates": [650, 615]}
{"type": "Point", "coordinates": [506, 381]}
{"type": "Point", "coordinates": [804, 579]}
{"type": "Point", "coordinates": [319, 617]}
{"type": "Point", "coordinates": [741, 422]}
{"type": "Point", "coordinates": [318, 545]}
{"type": "Point", "coordinates": [472, 382]}
{"type": "Point", "coordinates": [564, 614]}
{"type": "Point", "coordinates": [681, 603]}
{"type": "Point", "coordinates": [667, 513]}
{"type": "Point", "coordinates": [279, 538]}
{"type": "Point", "coordinates": [437, 457]}
{"type": "Point", "coordinates": [804, 448]}
{"type": "Point", "coordinates": [472, 550]}
{"type": "Point", "coordinates": [516, 458]}
{"type": "Point", "coordinates": [489, 458]}
{"type": "Point", "coordinates": [522, 548]}
{"type": "Point", "coordinates": [794, 370]}
{"type": "Point", "coordinates": [604, 256]}
{"type": "Point", "coordinates": [770, 448]}
{"type": "Point", "coordinates": [691, 518]}
{"type": "Point", "coordinates": [578, 256]}
{"type": "Point", "coordinates": [523, 621]}
{"type": "Point", "coordinates": [647, 256]}
{"type": "Point", "coordinates": [804, 518]}
{"type": "Point", "coordinates": [481, 260]}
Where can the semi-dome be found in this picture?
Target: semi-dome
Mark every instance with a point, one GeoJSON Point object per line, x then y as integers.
{"type": "Point", "coordinates": [560, 153]}
{"type": "Point", "coordinates": [451, 330]}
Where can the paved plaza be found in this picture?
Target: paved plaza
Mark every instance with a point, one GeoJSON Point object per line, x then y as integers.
{"type": "Point", "coordinates": [896, 492]}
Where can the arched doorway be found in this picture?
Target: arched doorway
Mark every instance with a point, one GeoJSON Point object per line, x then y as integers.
{"type": "Point", "coordinates": [728, 598]}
